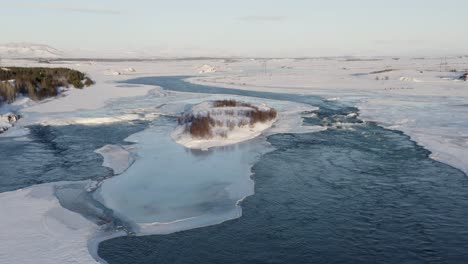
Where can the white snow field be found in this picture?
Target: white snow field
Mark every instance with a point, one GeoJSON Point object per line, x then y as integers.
{"type": "Point", "coordinates": [36, 229]}
{"type": "Point", "coordinates": [413, 95]}
{"type": "Point", "coordinates": [422, 97]}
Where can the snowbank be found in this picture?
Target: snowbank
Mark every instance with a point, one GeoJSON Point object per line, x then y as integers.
{"type": "Point", "coordinates": [4, 123]}
{"type": "Point", "coordinates": [36, 229]}
{"type": "Point", "coordinates": [206, 68]}
{"type": "Point", "coordinates": [409, 79]}
{"type": "Point", "coordinates": [439, 127]}
{"type": "Point", "coordinates": [92, 120]}
{"type": "Point", "coordinates": [7, 121]}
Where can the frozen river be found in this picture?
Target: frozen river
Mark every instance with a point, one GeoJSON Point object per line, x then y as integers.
{"type": "Point", "coordinates": [353, 193]}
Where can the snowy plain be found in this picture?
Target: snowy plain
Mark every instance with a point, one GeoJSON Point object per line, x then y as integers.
{"type": "Point", "coordinates": [414, 95]}
{"type": "Point", "coordinates": [422, 97]}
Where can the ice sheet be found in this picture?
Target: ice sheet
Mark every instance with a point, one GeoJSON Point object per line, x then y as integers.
{"type": "Point", "coordinates": [170, 187]}
{"type": "Point", "coordinates": [117, 158]}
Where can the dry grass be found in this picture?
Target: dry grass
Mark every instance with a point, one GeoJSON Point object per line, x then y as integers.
{"type": "Point", "coordinates": [225, 103]}
{"type": "Point", "coordinates": [201, 127]}
{"type": "Point", "coordinates": [198, 126]}
{"type": "Point", "coordinates": [258, 116]}
{"type": "Point", "coordinates": [231, 103]}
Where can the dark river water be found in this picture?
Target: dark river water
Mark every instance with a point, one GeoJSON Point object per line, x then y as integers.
{"type": "Point", "coordinates": [59, 153]}
{"type": "Point", "coordinates": [350, 194]}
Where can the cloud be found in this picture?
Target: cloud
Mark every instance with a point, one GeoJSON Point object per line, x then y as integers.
{"type": "Point", "coordinates": [263, 18]}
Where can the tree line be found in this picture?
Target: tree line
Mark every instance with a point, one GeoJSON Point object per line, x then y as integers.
{"type": "Point", "coordinates": [38, 83]}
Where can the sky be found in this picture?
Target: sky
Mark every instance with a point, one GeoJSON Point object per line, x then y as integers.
{"type": "Point", "coordinates": [286, 28]}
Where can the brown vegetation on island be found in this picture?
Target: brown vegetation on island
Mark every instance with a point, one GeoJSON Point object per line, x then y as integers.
{"type": "Point", "coordinates": [200, 126]}
{"type": "Point", "coordinates": [258, 116]}
{"type": "Point", "coordinates": [229, 103]}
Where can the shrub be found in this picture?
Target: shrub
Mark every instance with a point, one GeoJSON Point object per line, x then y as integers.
{"type": "Point", "coordinates": [201, 127]}
{"type": "Point", "coordinates": [225, 103]}
{"type": "Point", "coordinates": [230, 103]}
{"type": "Point", "coordinates": [88, 82]}
{"type": "Point", "coordinates": [7, 92]}
{"type": "Point", "coordinates": [262, 116]}
{"type": "Point", "coordinates": [229, 112]}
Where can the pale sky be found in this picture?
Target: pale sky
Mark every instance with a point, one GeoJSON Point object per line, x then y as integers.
{"type": "Point", "coordinates": [242, 27]}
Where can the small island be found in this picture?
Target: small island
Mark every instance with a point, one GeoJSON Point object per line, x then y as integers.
{"type": "Point", "coordinates": [222, 122]}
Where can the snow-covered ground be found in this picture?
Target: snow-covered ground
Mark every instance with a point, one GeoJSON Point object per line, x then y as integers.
{"type": "Point", "coordinates": [414, 95]}
{"type": "Point", "coordinates": [36, 229]}
{"type": "Point", "coordinates": [205, 68]}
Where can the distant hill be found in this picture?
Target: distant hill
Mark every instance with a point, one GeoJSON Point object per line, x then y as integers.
{"type": "Point", "coordinates": [28, 50]}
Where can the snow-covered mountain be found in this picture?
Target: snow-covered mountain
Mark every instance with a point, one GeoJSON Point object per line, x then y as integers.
{"type": "Point", "coordinates": [28, 50]}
